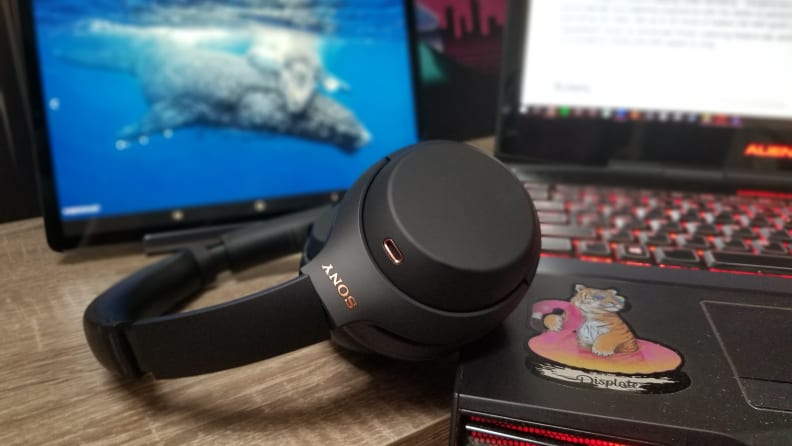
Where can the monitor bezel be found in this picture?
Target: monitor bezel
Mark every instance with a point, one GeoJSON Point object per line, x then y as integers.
{"type": "Point", "coordinates": [69, 234]}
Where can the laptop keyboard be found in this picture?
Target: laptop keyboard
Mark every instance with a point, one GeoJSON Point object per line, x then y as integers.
{"type": "Point", "coordinates": [744, 233]}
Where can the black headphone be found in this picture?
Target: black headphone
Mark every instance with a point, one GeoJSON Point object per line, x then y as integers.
{"type": "Point", "coordinates": [432, 247]}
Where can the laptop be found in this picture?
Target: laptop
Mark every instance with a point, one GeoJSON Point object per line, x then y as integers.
{"type": "Point", "coordinates": [656, 141]}
{"type": "Point", "coordinates": [191, 118]}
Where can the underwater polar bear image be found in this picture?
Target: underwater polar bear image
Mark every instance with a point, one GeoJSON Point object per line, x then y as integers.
{"type": "Point", "coordinates": [278, 85]}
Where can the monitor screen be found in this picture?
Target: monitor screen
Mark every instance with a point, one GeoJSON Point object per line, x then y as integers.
{"type": "Point", "coordinates": [157, 112]}
{"type": "Point", "coordinates": [727, 59]}
{"type": "Point", "coordinates": [694, 83]}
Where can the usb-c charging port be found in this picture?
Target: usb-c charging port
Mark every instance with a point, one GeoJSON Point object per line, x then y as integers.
{"type": "Point", "coordinates": [393, 251]}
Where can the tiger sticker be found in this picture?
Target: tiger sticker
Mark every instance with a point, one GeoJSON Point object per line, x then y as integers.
{"type": "Point", "coordinates": [585, 341]}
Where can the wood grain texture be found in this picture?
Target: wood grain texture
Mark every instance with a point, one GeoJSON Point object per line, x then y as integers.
{"type": "Point", "coordinates": [52, 391]}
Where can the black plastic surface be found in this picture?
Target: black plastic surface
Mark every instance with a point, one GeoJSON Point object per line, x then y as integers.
{"type": "Point", "coordinates": [666, 306]}
{"type": "Point", "coordinates": [768, 394]}
{"type": "Point", "coordinates": [461, 220]}
{"type": "Point", "coordinates": [757, 339]}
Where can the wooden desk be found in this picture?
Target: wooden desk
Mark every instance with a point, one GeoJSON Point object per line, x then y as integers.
{"type": "Point", "coordinates": [52, 390]}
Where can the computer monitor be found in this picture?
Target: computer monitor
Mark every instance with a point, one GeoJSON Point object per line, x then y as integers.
{"type": "Point", "coordinates": [683, 84]}
{"type": "Point", "coordinates": [166, 114]}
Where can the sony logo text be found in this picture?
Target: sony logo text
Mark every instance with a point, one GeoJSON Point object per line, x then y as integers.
{"type": "Point", "coordinates": [341, 288]}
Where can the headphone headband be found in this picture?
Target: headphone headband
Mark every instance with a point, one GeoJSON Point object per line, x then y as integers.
{"type": "Point", "coordinates": [259, 326]}
{"type": "Point", "coordinates": [128, 333]}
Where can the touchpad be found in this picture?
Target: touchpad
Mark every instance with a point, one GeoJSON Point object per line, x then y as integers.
{"type": "Point", "coordinates": [757, 341]}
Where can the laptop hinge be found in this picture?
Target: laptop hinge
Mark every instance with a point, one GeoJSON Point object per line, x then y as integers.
{"type": "Point", "coordinates": [652, 176]}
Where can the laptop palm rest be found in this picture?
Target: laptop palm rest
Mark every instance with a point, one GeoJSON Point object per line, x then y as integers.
{"type": "Point", "coordinates": [756, 341]}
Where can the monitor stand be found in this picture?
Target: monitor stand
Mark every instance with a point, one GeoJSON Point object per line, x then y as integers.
{"type": "Point", "coordinates": [169, 241]}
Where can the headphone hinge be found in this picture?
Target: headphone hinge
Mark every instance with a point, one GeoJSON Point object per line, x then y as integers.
{"type": "Point", "coordinates": [111, 348]}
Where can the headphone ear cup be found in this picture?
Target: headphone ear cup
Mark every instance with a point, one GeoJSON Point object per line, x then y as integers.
{"type": "Point", "coordinates": [376, 340]}
{"type": "Point", "coordinates": [450, 282]}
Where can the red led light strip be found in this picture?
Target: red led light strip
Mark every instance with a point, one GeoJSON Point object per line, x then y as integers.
{"type": "Point", "coordinates": [552, 254]}
{"type": "Point", "coordinates": [546, 433]}
{"type": "Point", "coordinates": [596, 259]}
{"type": "Point", "coordinates": [751, 273]}
{"type": "Point", "coordinates": [764, 194]}
{"type": "Point", "coordinates": [714, 270]}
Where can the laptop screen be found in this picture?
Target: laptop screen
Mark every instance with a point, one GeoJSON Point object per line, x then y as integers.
{"type": "Point", "coordinates": [160, 113]}
{"type": "Point", "coordinates": [693, 83]}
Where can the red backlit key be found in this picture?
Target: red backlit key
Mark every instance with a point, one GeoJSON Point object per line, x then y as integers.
{"type": "Point", "coordinates": [594, 249]}
{"type": "Point", "coordinates": [724, 218]}
{"type": "Point", "coordinates": [543, 205]}
{"type": "Point", "coordinates": [554, 245]}
{"type": "Point", "coordinates": [704, 229]}
{"type": "Point", "coordinates": [770, 248]}
{"type": "Point", "coordinates": [552, 217]}
{"type": "Point", "coordinates": [780, 235]}
{"type": "Point", "coordinates": [749, 262]}
{"type": "Point", "coordinates": [656, 240]}
{"type": "Point", "coordinates": [693, 242]}
{"type": "Point", "coordinates": [620, 236]}
{"type": "Point", "coordinates": [691, 215]}
{"type": "Point", "coordinates": [669, 227]}
{"type": "Point", "coordinates": [633, 253]}
{"type": "Point", "coordinates": [568, 232]}
{"type": "Point", "coordinates": [677, 257]}
{"type": "Point", "coordinates": [738, 233]}
{"type": "Point", "coordinates": [734, 245]}
{"type": "Point", "coordinates": [759, 221]}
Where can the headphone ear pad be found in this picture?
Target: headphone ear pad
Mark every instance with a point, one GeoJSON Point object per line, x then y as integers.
{"type": "Point", "coordinates": [341, 338]}
{"type": "Point", "coordinates": [369, 338]}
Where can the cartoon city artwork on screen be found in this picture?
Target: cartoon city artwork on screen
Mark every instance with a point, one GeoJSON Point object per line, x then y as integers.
{"type": "Point", "coordinates": [249, 96]}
